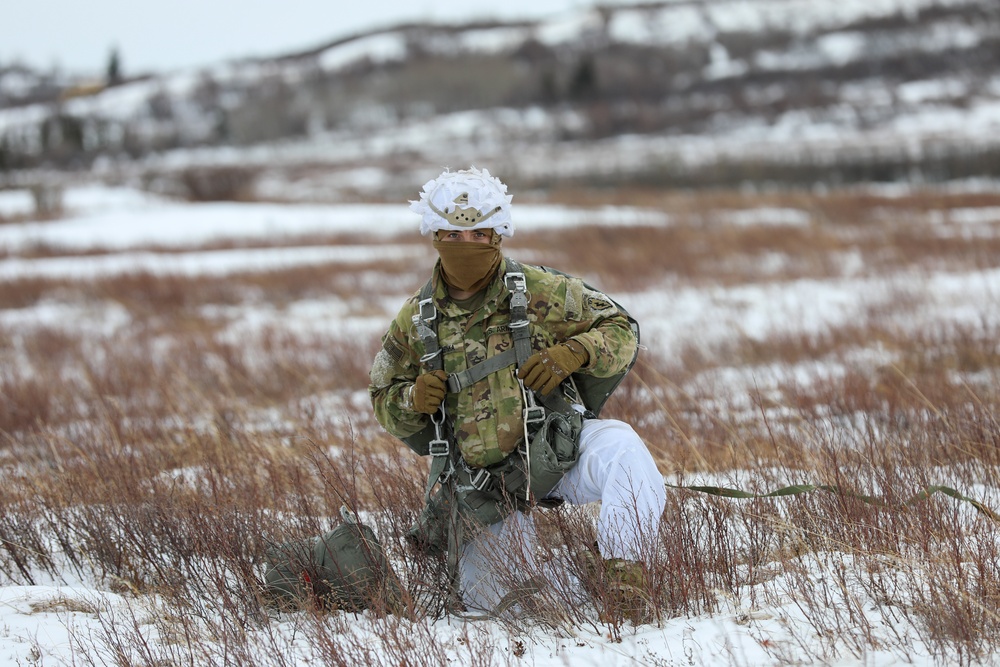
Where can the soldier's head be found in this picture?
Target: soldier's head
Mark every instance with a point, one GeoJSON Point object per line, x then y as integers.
{"type": "Point", "coordinates": [468, 213]}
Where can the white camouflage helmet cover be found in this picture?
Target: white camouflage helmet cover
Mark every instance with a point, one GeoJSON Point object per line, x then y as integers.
{"type": "Point", "coordinates": [443, 200]}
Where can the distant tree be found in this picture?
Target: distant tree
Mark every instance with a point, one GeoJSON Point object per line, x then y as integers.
{"type": "Point", "coordinates": [114, 70]}
{"type": "Point", "coordinates": [583, 84]}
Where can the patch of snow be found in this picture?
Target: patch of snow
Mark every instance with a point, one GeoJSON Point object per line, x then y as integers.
{"type": "Point", "coordinates": [376, 48]}
{"type": "Point", "coordinates": [919, 92]}
{"type": "Point", "coordinates": [16, 203]}
{"type": "Point", "coordinates": [100, 319]}
{"type": "Point", "coordinates": [841, 48]}
{"type": "Point", "coordinates": [778, 217]}
{"type": "Point", "coordinates": [216, 262]}
{"type": "Point", "coordinates": [177, 225]}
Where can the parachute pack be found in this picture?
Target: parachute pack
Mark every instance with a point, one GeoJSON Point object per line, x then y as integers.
{"type": "Point", "coordinates": [345, 568]}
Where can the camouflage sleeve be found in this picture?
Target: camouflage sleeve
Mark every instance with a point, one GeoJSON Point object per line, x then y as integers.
{"type": "Point", "coordinates": [598, 324]}
{"type": "Point", "coordinates": [393, 372]}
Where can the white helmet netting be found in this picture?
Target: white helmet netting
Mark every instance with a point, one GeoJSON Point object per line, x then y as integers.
{"type": "Point", "coordinates": [466, 199]}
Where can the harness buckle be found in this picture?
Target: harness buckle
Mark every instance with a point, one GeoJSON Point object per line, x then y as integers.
{"type": "Point", "coordinates": [481, 480]}
{"type": "Point", "coordinates": [518, 287]}
{"type": "Point", "coordinates": [534, 413]}
{"type": "Point", "coordinates": [438, 447]}
{"type": "Point", "coordinates": [428, 311]}
{"type": "Point", "coordinates": [516, 282]}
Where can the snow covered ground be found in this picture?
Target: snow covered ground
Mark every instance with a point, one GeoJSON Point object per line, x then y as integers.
{"type": "Point", "coordinates": [46, 624]}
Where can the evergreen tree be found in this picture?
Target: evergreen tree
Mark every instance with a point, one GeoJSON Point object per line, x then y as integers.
{"type": "Point", "coordinates": [114, 73]}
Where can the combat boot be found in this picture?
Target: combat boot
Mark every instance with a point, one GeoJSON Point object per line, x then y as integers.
{"type": "Point", "coordinates": [619, 588]}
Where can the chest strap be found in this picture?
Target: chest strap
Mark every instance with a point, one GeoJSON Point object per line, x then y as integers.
{"type": "Point", "coordinates": [517, 286]}
{"type": "Point", "coordinates": [472, 375]}
{"type": "Point", "coordinates": [425, 321]}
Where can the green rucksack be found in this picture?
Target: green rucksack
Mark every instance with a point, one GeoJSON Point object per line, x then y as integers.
{"type": "Point", "coordinates": [345, 568]}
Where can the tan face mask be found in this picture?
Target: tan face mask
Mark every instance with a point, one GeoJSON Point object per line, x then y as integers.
{"type": "Point", "coordinates": [468, 266]}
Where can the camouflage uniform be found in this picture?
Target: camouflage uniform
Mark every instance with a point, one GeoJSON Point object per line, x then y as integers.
{"type": "Point", "coordinates": [487, 416]}
{"type": "Point", "coordinates": [572, 458]}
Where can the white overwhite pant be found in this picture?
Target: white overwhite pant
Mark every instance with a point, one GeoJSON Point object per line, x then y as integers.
{"type": "Point", "coordinates": [615, 468]}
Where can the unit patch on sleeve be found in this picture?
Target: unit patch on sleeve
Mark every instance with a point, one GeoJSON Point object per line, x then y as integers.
{"type": "Point", "coordinates": [597, 302]}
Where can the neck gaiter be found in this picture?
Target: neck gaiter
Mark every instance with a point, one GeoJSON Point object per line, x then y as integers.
{"type": "Point", "coordinates": [468, 266]}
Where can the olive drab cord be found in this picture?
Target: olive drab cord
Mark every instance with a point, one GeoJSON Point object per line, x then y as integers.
{"type": "Point", "coordinates": [797, 489]}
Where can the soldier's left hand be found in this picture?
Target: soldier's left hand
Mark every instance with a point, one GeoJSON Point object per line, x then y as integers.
{"type": "Point", "coordinates": [543, 371]}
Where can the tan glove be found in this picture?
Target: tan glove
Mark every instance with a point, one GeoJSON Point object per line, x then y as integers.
{"type": "Point", "coordinates": [428, 392]}
{"type": "Point", "coordinates": [543, 371]}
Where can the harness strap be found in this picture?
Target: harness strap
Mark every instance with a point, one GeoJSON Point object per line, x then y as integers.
{"type": "Point", "coordinates": [442, 458]}
{"type": "Point", "coordinates": [442, 465]}
{"type": "Point", "coordinates": [425, 322]}
{"type": "Point", "coordinates": [516, 284]}
{"type": "Point", "coordinates": [555, 402]}
{"type": "Point", "coordinates": [519, 331]}
{"type": "Point", "coordinates": [468, 377]}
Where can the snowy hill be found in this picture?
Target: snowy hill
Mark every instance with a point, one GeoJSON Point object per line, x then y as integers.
{"type": "Point", "coordinates": [688, 93]}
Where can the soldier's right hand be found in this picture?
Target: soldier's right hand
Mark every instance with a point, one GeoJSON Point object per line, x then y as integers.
{"type": "Point", "coordinates": [428, 391]}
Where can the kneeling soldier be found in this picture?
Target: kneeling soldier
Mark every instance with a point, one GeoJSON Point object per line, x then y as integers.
{"type": "Point", "coordinates": [497, 370]}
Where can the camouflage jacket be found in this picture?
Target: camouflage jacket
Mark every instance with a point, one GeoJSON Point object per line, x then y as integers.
{"type": "Point", "coordinates": [486, 417]}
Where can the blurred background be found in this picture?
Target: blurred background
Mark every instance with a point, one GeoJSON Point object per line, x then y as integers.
{"type": "Point", "coordinates": [313, 103]}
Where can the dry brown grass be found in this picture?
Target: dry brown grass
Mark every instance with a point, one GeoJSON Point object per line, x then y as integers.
{"type": "Point", "coordinates": [163, 457]}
